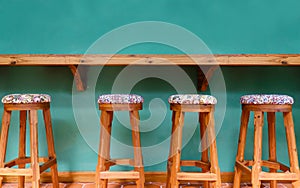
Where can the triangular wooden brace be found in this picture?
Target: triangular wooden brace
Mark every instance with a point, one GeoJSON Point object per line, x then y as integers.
{"type": "Point", "coordinates": [80, 85]}
{"type": "Point", "coordinates": [204, 75]}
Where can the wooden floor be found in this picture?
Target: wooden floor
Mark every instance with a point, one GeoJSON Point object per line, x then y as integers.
{"type": "Point", "coordinates": [131, 185]}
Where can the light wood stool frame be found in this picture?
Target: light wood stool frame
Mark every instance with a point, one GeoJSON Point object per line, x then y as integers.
{"type": "Point", "coordinates": [257, 175]}
{"type": "Point", "coordinates": [35, 168]}
{"type": "Point", "coordinates": [210, 169]}
{"type": "Point", "coordinates": [104, 159]}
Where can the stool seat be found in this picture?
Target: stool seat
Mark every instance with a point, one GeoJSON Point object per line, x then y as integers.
{"type": "Point", "coordinates": [210, 171]}
{"type": "Point", "coordinates": [258, 167]}
{"type": "Point", "coordinates": [108, 104]}
{"type": "Point", "coordinates": [192, 99]}
{"type": "Point", "coordinates": [266, 99]}
{"type": "Point", "coordinates": [120, 99]}
{"type": "Point", "coordinates": [26, 98]}
{"type": "Point", "coordinates": [28, 106]}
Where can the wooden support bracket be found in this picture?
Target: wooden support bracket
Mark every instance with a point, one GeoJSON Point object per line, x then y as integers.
{"type": "Point", "coordinates": [78, 77]}
{"type": "Point", "coordinates": [204, 75]}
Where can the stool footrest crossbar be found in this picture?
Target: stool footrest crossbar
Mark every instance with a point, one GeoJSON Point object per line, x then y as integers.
{"type": "Point", "coordinates": [284, 176]}
{"type": "Point", "coordinates": [15, 172]}
{"type": "Point", "coordinates": [113, 162]}
{"type": "Point", "coordinates": [278, 176]}
{"type": "Point", "coordinates": [269, 164]}
{"type": "Point", "coordinates": [24, 160]}
{"type": "Point", "coordinates": [47, 163]}
{"type": "Point", "coordinates": [119, 175]}
{"type": "Point", "coordinates": [199, 164]}
{"type": "Point", "coordinates": [190, 176]}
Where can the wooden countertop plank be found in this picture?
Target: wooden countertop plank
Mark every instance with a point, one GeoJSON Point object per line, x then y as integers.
{"type": "Point", "coordinates": [149, 59]}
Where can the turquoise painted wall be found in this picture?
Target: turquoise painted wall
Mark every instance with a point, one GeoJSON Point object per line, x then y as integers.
{"type": "Point", "coordinates": [226, 26]}
{"type": "Point", "coordinates": [70, 27]}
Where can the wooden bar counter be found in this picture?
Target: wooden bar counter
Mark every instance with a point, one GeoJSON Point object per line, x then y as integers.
{"type": "Point", "coordinates": [208, 63]}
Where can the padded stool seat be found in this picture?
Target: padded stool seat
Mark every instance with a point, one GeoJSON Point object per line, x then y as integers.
{"type": "Point", "coordinates": [108, 104]}
{"type": "Point", "coordinates": [28, 104]}
{"type": "Point", "coordinates": [210, 174]}
{"type": "Point", "coordinates": [26, 98]}
{"type": "Point", "coordinates": [259, 105]}
{"type": "Point", "coordinates": [266, 99]}
{"type": "Point", "coordinates": [192, 99]}
{"type": "Point", "coordinates": [120, 99]}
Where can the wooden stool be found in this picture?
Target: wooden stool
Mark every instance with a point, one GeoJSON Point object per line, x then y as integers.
{"type": "Point", "coordinates": [108, 104]}
{"type": "Point", "coordinates": [30, 103]}
{"type": "Point", "coordinates": [259, 104]}
{"type": "Point", "coordinates": [204, 105]}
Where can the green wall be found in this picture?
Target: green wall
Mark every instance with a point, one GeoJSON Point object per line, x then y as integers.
{"type": "Point", "coordinates": [37, 26]}
{"type": "Point", "coordinates": [69, 27]}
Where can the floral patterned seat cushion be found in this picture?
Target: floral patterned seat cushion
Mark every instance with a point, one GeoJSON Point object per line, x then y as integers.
{"type": "Point", "coordinates": [192, 99]}
{"type": "Point", "coordinates": [120, 99]}
{"type": "Point", "coordinates": [26, 98]}
{"type": "Point", "coordinates": [266, 99]}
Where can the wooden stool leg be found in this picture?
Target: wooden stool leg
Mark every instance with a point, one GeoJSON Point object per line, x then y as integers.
{"type": "Point", "coordinates": [136, 141]}
{"type": "Point", "coordinates": [34, 148]}
{"type": "Point", "coordinates": [204, 157]}
{"type": "Point", "coordinates": [22, 144]}
{"type": "Point", "coordinates": [292, 148]}
{"type": "Point", "coordinates": [272, 144]}
{"type": "Point", "coordinates": [104, 147]}
{"type": "Point", "coordinates": [169, 165]}
{"type": "Point", "coordinates": [213, 150]}
{"type": "Point", "coordinates": [50, 142]}
{"type": "Point", "coordinates": [241, 147]}
{"type": "Point", "coordinates": [256, 169]}
{"type": "Point", "coordinates": [176, 142]}
{"type": "Point", "coordinates": [3, 141]}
